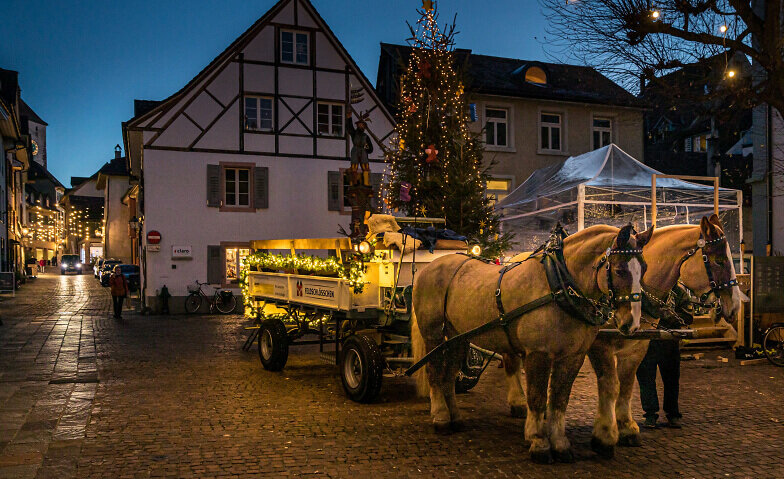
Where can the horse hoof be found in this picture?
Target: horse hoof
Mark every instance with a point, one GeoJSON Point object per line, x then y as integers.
{"type": "Point", "coordinates": [632, 440]}
{"type": "Point", "coordinates": [517, 411]}
{"type": "Point", "coordinates": [603, 450]}
{"type": "Point", "coordinates": [457, 426]}
{"type": "Point", "coordinates": [542, 457]}
{"type": "Point", "coordinates": [442, 428]}
{"type": "Point", "coordinates": [566, 456]}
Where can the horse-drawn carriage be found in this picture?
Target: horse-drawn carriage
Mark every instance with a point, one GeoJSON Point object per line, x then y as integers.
{"type": "Point", "coordinates": [353, 301]}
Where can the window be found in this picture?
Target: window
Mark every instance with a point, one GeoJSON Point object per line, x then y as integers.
{"type": "Point", "coordinates": [258, 113]}
{"type": "Point", "coordinates": [294, 47]}
{"type": "Point", "coordinates": [330, 119]}
{"type": "Point", "coordinates": [496, 127]}
{"type": "Point", "coordinates": [497, 189]}
{"type": "Point", "coordinates": [700, 143]}
{"type": "Point", "coordinates": [550, 138]}
{"type": "Point", "coordinates": [602, 132]}
{"type": "Point", "coordinates": [235, 258]}
{"type": "Point", "coordinates": [237, 186]}
{"type": "Point", "coordinates": [536, 75]}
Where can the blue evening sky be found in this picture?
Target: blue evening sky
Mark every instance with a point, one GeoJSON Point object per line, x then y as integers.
{"type": "Point", "coordinates": [82, 63]}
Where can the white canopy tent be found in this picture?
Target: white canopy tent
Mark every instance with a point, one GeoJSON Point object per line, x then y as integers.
{"type": "Point", "coordinates": [609, 186]}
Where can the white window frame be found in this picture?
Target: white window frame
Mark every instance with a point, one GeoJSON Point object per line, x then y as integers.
{"type": "Point", "coordinates": [294, 34]}
{"type": "Point", "coordinates": [236, 170]}
{"type": "Point", "coordinates": [495, 120]}
{"type": "Point", "coordinates": [258, 118]}
{"type": "Point", "coordinates": [601, 129]}
{"type": "Point", "coordinates": [331, 118]}
{"type": "Point", "coordinates": [549, 125]}
{"type": "Point", "coordinates": [697, 143]}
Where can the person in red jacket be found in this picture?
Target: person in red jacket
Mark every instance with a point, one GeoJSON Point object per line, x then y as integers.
{"type": "Point", "coordinates": [118, 285]}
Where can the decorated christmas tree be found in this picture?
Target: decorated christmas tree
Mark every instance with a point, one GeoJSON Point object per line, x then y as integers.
{"type": "Point", "coordinates": [436, 163]}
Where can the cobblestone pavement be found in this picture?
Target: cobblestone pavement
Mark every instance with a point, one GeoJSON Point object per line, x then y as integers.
{"type": "Point", "coordinates": [176, 397]}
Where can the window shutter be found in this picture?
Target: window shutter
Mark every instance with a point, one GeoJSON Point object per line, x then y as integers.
{"type": "Point", "coordinates": [687, 145]}
{"type": "Point", "coordinates": [375, 183]}
{"type": "Point", "coordinates": [261, 185]}
{"type": "Point", "coordinates": [213, 186]}
{"type": "Point", "coordinates": [214, 270]}
{"type": "Point", "coordinates": [333, 190]}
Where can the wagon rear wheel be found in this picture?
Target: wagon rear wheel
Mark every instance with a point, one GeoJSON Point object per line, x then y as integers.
{"type": "Point", "coordinates": [273, 344]}
{"type": "Point", "coordinates": [361, 368]}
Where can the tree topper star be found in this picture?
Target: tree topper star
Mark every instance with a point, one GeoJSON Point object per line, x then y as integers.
{"type": "Point", "coordinates": [427, 5]}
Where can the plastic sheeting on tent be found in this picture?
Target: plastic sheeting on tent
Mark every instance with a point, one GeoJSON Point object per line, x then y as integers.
{"type": "Point", "coordinates": [608, 186]}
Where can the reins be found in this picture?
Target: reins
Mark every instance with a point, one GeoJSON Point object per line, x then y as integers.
{"type": "Point", "coordinates": [563, 291]}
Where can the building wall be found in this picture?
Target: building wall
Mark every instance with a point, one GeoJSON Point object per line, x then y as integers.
{"type": "Point", "coordinates": [298, 202]}
{"type": "Point", "coordinates": [88, 188]}
{"type": "Point", "coordinates": [117, 242]}
{"type": "Point", "coordinates": [38, 134]}
{"type": "Point", "coordinates": [523, 156]}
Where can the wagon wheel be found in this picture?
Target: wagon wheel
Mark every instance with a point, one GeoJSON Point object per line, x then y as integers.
{"type": "Point", "coordinates": [470, 370]}
{"type": "Point", "coordinates": [273, 344]}
{"type": "Point", "coordinates": [361, 368]}
{"type": "Point", "coordinates": [773, 345]}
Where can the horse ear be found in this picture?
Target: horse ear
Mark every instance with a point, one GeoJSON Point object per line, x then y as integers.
{"type": "Point", "coordinates": [715, 221]}
{"type": "Point", "coordinates": [623, 236]}
{"type": "Point", "coordinates": [644, 237]}
{"type": "Point", "coordinates": [705, 227]}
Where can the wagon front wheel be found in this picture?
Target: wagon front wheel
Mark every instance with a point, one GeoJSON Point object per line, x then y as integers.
{"type": "Point", "coordinates": [273, 344]}
{"type": "Point", "coordinates": [361, 368]}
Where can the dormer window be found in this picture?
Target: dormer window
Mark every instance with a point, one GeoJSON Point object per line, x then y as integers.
{"type": "Point", "coordinates": [536, 75]}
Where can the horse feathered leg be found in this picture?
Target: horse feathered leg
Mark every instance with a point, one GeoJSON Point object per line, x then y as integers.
{"type": "Point", "coordinates": [564, 373]}
{"type": "Point", "coordinates": [453, 357]}
{"type": "Point", "coordinates": [605, 429]}
{"type": "Point", "coordinates": [514, 384]}
{"type": "Point", "coordinates": [628, 430]}
{"type": "Point", "coordinates": [418, 352]}
{"type": "Point", "coordinates": [537, 376]}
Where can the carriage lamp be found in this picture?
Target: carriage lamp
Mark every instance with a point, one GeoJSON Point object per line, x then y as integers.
{"type": "Point", "coordinates": [475, 250]}
{"type": "Point", "coordinates": [365, 247]}
{"type": "Point", "coordinates": [655, 14]}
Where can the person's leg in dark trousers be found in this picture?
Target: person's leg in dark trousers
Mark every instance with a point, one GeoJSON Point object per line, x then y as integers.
{"type": "Point", "coordinates": [670, 368]}
{"type": "Point", "coordinates": [646, 377]}
{"type": "Point", "coordinates": [118, 301]}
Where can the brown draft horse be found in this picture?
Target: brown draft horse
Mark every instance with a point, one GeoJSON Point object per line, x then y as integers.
{"type": "Point", "coordinates": [452, 296]}
{"type": "Point", "coordinates": [673, 253]}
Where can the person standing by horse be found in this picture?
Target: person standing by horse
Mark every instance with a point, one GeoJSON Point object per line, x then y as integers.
{"type": "Point", "coordinates": [666, 355]}
{"type": "Point", "coordinates": [118, 285]}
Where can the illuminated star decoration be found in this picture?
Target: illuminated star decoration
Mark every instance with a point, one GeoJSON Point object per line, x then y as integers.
{"type": "Point", "coordinates": [427, 5]}
{"type": "Point", "coordinates": [422, 210]}
{"type": "Point", "coordinates": [431, 153]}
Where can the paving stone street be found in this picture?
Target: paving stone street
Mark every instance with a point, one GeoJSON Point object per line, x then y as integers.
{"type": "Point", "coordinates": [84, 395]}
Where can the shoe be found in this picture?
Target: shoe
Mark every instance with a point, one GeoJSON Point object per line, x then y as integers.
{"type": "Point", "coordinates": [650, 423]}
{"type": "Point", "coordinates": [674, 422]}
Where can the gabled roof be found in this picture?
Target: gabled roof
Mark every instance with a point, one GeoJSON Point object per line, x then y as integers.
{"type": "Point", "coordinates": [26, 111]}
{"type": "Point", "coordinates": [506, 77]}
{"type": "Point", "coordinates": [37, 172]}
{"type": "Point", "coordinates": [235, 47]}
{"type": "Point", "coordinates": [115, 167]}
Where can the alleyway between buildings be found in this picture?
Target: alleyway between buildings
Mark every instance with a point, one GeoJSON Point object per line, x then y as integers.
{"type": "Point", "coordinates": [84, 395]}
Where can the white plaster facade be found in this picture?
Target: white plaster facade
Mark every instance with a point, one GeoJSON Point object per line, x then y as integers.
{"type": "Point", "coordinates": [182, 150]}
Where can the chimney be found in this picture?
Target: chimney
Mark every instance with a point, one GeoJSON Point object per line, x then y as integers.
{"type": "Point", "coordinates": [117, 151]}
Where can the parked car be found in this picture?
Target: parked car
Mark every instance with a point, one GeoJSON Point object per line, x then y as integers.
{"type": "Point", "coordinates": [97, 267]}
{"type": "Point", "coordinates": [131, 273]}
{"type": "Point", "coordinates": [107, 269]}
{"type": "Point", "coordinates": [70, 263]}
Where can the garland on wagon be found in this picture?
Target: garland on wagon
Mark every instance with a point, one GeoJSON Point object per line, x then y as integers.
{"type": "Point", "coordinates": [353, 273]}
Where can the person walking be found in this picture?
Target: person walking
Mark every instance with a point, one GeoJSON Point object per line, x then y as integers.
{"type": "Point", "coordinates": [41, 265]}
{"type": "Point", "coordinates": [118, 286]}
{"type": "Point", "coordinates": [666, 356]}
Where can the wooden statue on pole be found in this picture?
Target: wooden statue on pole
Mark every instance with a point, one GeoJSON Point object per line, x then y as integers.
{"type": "Point", "coordinates": [359, 191]}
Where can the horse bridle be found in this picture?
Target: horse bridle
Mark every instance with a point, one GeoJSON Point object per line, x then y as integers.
{"type": "Point", "coordinates": [613, 298]}
{"type": "Point", "coordinates": [715, 288]}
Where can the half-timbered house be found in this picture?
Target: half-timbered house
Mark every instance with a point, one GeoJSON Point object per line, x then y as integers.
{"type": "Point", "coordinates": [252, 148]}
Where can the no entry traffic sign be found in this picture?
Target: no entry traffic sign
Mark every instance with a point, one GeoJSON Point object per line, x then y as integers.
{"type": "Point", "coordinates": [153, 237]}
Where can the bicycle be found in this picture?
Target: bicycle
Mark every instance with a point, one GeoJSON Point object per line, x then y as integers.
{"type": "Point", "coordinates": [223, 300]}
{"type": "Point", "coordinates": [773, 344]}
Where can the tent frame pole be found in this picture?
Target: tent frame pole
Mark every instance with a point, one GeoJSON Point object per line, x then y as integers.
{"type": "Point", "coordinates": [581, 207]}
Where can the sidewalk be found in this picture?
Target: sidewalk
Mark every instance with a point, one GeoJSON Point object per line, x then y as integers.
{"type": "Point", "coordinates": [48, 374]}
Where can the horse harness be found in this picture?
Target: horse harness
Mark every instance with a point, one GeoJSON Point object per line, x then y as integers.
{"type": "Point", "coordinates": [563, 291]}
{"type": "Point", "coordinates": [658, 308]}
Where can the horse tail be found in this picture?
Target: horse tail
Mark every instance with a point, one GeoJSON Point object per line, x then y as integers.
{"type": "Point", "coordinates": [418, 351]}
